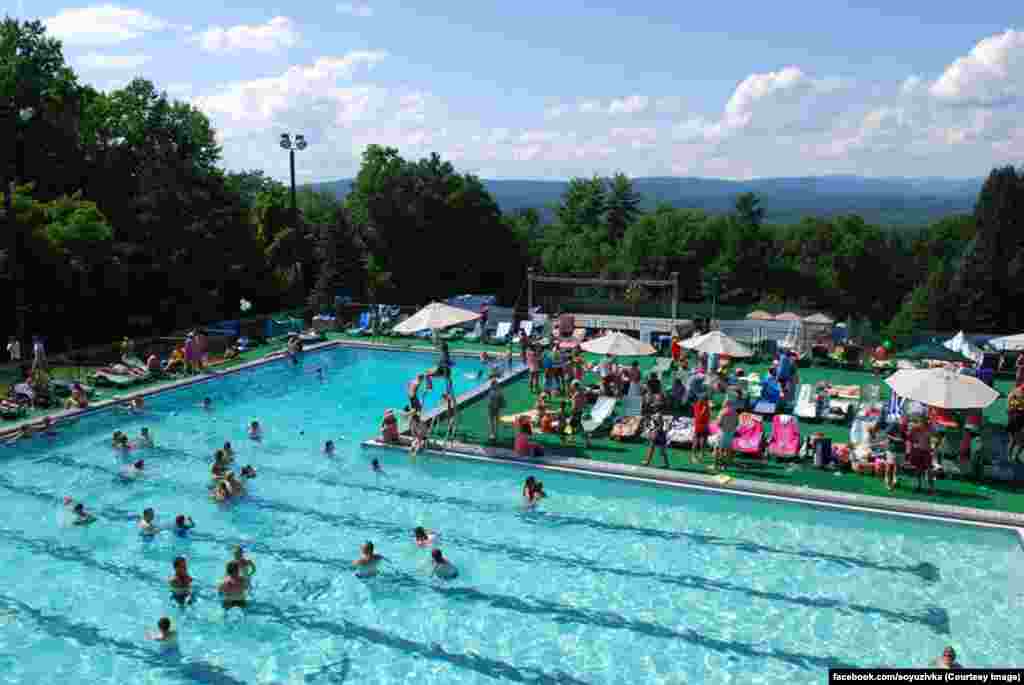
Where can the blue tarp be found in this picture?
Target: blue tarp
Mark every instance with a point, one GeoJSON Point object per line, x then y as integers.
{"type": "Point", "coordinates": [225, 327]}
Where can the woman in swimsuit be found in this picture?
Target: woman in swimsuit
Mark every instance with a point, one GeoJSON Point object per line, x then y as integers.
{"type": "Point", "coordinates": [366, 564]}
{"type": "Point", "coordinates": [234, 587]}
{"type": "Point", "coordinates": [181, 582]}
{"type": "Point", "coordinates": [221, 493]}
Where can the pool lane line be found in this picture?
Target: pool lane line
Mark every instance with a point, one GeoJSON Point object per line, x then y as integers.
{"type": "Point", "coordinates": [295, 617]}
{"type": "Point", "coordinates": [926, 571]}
{"type": "Point", "coordinates": [559, 613]}
{"type": "Point", "coordinates": [947, 514]}
{"type": "Point", "coordinates": [168, 386]}
{"type": "Point", "coordinates": [935, 618]}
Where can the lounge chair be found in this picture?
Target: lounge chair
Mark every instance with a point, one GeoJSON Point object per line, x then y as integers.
{"type": "Point", "coordinates": [525, 328]}
{"type": "Point", "coordinates": [785, 442]}
{"type": "Point", "coordinates": [501, 335]}
{"type": "Point", "coordinates": [363, 328]}
{"type": "Point", "coordinates": [633, 405]}
{"type": "Point", "coordinates": [599, 414]}
{"type": "Point", "coordinates": [661, 366]}
{"type": "Point", "coordinates": [749, 438]}
{"type": "Point", "coordinates": [806, 403]}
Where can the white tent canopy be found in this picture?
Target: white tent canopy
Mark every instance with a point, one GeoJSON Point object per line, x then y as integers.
{"type": "Point", "coordinates": [434, 316]}
{"type": "Point", "coordinates": [942, 388]}
{"type": "Point", "coordinates": [819, 319]}
{"type": "Point", "coordinates": [960, 343]}
{"type": "Point", "coordinates": [1010, 343]}
{"type": "Point", "coordinates": [618, 344]}
{"type": "Point", "coordinates": [717, 342]}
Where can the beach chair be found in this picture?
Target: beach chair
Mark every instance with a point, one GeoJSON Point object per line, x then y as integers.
{"type": "Point", "coordinates": [806, 403]}
{"type": "Point", "coordinates": [363, 328]}
{"type": "Point", "coordinates": [749, 439]}
{"type": "Point", "coordinates": [785, 441]}
{"type": "Point", "coordinates": [632, 405]}
{"type": "Point", "coordinates": [500, 336]}
{"type": "Point", "coordinates": [599, 414]}
{"type": "Point", "coordinates": [525, 328]}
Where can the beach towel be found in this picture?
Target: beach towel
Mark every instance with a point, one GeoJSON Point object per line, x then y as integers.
{"type": "Point", "coordinates": [785, 437]}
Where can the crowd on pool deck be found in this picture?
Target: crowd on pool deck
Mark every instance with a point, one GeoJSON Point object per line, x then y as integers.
{"type": "Point", "coordinates": [556, 374]}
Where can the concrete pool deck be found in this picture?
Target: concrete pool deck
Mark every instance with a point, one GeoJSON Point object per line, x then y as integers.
{"type": "Point", "coordinates": [464, 450]}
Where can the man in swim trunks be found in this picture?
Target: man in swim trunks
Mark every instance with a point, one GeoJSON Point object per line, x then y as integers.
{"type": "Point", "coordinates": [366, 564]}
{"type": "Point", "coordinates": [245, 564]}
{"type": "Point", "coordinates": [147, 524]}
{"type": "Point", "coordinates": [181, 582]}
{"type": "Point", "coordinates": [235, 587]}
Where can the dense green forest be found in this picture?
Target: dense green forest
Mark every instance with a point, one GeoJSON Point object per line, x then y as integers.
{"type": "Point", "coordinates": [122, 221]}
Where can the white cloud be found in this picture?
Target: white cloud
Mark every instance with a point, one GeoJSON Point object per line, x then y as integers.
{"type": "Point", "coordinates": [102, 25]}
{"type": "Point", "coordinates": [911, 85]}
{"type": "Point", "coordinates": [993, 72]}
{"type": "Point", "coordinates": [634, 104]}
{"type": "Point", "coordinates": [555, 111]}
{"type": "Point", "coordinates": [278, 33]}
{"type": "Point", "coordinates": [112, 62]}
{"type": "Point", "coordinates": [356, 9]}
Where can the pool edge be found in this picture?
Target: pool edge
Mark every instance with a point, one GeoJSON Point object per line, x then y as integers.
{"type": "Point", "coordinates": [737, 486]}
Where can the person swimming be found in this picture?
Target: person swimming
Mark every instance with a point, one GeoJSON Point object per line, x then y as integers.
{"type": "Point", "coordinates": [147, 524]}
{"type": "Point", "coordinates": [183, 524]}
{"type": "Point", "coordinates": [529, 487]}
{"type": "Point", "coordinates": [423, 537]}
{"type": "Point", "coordinates": [181, 582]}
{"type": "Point", "coordinates": [137, 405]}
{"type": "Point", "coordinates": [207, 403]}
{"type": "Point", "coordinates": [145, 438]}
{"type": "Point", "coordinates": [164, 633]}
{"type": "Point", "coordinates": [366, 565]}
{"type": "Point", "coordinates": [119, 441]}
{"type": "Point", "coordinates": [255, 431]}
{"type": "Point", "coordinates": [247, 567]}
{"type": "Point", "coordinates": [229, 453]}
{"type": "Point", "coordinates": [221, 492]}
{"type": "Point", "coordinates": [329, 447]}
{"type": "Point", "coordinates": [248, 472]}
{"type": "Point", "coordinates": [375, 465]}
{"type": "Point", "coordinates": [442, 567]}
{"type": "Point", "coordinates": [134, 471]}
{"type": "Point", "coordinates": [234, 588]}
{"type": "Point", "coordinates": [82, 517]}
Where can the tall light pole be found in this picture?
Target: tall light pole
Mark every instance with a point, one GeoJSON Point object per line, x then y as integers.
{"type": "Point", "coordinates": [299, 143]}
{"type": "Point", "coordinates": [15, 259]}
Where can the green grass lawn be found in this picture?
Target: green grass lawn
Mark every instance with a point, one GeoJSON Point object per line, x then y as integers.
{"type": "Point", "coordinates": [473, 428]}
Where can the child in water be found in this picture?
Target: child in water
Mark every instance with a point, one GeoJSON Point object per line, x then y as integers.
{"type": "Point", "coordinates": [165, 633]}
{"type": "Point", "coordinates": [255, 431]}
{"type": "Point", "coordinates": [423, 537]}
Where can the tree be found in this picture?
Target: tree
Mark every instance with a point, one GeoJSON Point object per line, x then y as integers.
{"type": "Point", "coordinates": [377, 279]}
{"type": "Point", "coordinates": [623, 206]}
{"type": "Point", "coordinates": [749, 210]}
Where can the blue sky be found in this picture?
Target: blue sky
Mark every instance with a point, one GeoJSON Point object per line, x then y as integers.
{"type": "Point", "coordinates": [534, 89]}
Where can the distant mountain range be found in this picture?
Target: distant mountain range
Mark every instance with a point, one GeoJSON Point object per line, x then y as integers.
{"type": "Point", "coordinates": [885, 201]}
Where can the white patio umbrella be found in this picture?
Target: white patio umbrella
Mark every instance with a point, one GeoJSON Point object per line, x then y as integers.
{"type": "Point", "coordinates": [819, 319]}
{"type": "Point", "coordinates": [1008, 342]}
{"type": "Point", "coordinates": [435, 316]}
{"type": "Point", "coordinates": [942, 388]}
{"type": "Point", "coordinates": [717, 342]}
{"type": "Point", "coordinates": [618, 344]}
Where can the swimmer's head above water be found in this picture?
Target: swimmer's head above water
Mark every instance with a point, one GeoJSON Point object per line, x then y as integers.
{"type": "Point", "coordinates": [329, 447]}
{"type": "Point", "coordinates": [375, 465]}
{"type": "Point", "coordinates": [420, 533]}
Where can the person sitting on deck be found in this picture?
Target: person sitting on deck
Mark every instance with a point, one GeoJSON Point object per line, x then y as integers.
{"type": "Point", "coordinates": [177, 361]}
{"type": "Point", "coordinates": [389, 428]}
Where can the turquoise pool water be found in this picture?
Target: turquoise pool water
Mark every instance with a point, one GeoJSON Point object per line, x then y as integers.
{"type": "Point", "coordinates": [607, 582]}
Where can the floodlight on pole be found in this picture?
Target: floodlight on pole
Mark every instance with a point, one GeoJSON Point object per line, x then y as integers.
{"type": "Point", "coordinates": [299, 143]}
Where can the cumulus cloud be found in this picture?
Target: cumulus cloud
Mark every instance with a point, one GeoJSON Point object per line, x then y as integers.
{"type": "Point", "coordinates": [278, 33]}
{"type": "Point", "coordinates": [633, 104]}
{"type": "Point", "coordinates": [96, 61]}
{"type": "Point", "coordinates": [356, 9]}
{"type": "Point", "coordinates": [992, 73]}
{"type": "Point", "coordinates": [102, 25]}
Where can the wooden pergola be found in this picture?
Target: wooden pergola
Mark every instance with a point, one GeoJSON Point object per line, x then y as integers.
{"type": "Point", "coordinates": [532, 277]}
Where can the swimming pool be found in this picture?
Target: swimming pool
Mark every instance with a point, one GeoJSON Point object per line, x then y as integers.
{"type": "Point", "coordinates": [608, 582]}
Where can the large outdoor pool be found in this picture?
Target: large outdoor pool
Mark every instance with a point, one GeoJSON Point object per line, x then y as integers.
{"type": "Point", "coordinates": [607, 582]}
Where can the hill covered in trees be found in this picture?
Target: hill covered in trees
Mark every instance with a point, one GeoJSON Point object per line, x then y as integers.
{"type": "Point", "coordinates": [887, 201]}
